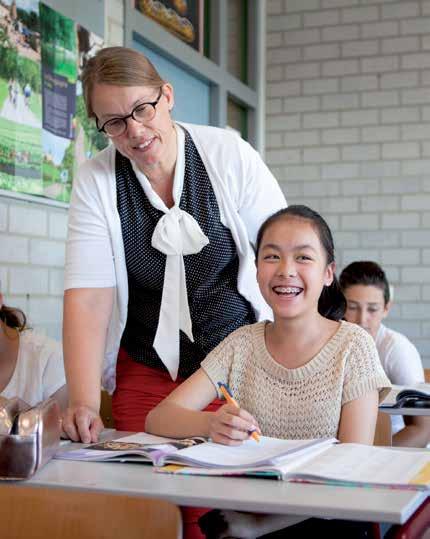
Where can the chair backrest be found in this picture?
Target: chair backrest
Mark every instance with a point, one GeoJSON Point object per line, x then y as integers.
{"type": "Point", "coordinates": [106, 410]}
{"type": "Point", "coordinates": [383, 435]}
{"type": "Point", "coordinates": [42, 513]}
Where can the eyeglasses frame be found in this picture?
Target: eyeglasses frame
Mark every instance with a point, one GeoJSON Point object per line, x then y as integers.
{"type": "Point", "coordinates": [153, 104]}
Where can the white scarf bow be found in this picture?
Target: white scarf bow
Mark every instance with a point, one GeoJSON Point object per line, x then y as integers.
{"type": "Point", "coordinates": [177, 233]}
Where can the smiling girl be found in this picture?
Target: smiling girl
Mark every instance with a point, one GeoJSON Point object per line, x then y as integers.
{"type": "Point", "coordinates": [305, 375]}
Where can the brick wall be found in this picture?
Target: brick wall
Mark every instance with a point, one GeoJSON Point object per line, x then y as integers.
{"type": "Point", "coordinates": [32, 238]}
{"type": "Point", "coordinates": [32, 260]}
{"type": "Point", "coordinates": [348, 133]}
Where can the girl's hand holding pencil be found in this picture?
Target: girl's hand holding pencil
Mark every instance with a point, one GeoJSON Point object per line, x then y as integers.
{"type": "Point", "coordinates": [231, 425]}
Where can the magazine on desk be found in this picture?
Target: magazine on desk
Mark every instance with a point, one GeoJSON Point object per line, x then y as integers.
{"type": "Point", "coordinates": [416, 396]}
{"type": "Point", "coordinates": [315, 461]}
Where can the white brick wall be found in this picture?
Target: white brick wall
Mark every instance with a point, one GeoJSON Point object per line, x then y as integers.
{"type": "Point", "coordinates": [32, 261]}
{"type": "Point", "coordinates": [361, 109]}
{"type": "Point", "coordinates": [32, 238]}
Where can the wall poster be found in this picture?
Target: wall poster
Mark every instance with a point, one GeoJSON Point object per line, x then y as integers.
{"type": "Point", "coordinates": [44, 132]}
{"type": "Point", "coordinates": [183, 18]}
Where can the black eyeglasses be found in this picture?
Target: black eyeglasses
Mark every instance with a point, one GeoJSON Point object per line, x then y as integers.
{"type": "Point", "coordinates": [142, 113]}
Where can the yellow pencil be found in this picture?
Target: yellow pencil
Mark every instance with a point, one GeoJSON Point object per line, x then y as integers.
{"type": "Point", "coordinates": [229, 398]}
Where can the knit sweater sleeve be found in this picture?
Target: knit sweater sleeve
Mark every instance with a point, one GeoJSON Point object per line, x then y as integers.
{"type": "Point", "coordinates": [230, 355]}
{"type": "Point", "coordinates": [363, 370]}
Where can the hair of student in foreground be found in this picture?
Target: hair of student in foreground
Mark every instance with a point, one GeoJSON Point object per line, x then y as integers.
{"type": "Point", "coordinates": [118, 66]}
{"type": "Point", "coordinates": [368, 273]}
{"type": "Point", "coordinates": [13, 318]}
{"type": "Point", "coordinates": [332, 303]}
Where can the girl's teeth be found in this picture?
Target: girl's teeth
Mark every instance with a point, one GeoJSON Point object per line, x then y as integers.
{"type": "Point", "coordinates": [287, 290]}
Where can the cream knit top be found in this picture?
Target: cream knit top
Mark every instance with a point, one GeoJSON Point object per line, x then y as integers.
{"type": "Point", "coordinates": [297, 403]}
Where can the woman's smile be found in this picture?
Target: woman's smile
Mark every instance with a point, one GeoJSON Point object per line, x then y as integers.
{"type": "Point", "coordinates": [143, 146]}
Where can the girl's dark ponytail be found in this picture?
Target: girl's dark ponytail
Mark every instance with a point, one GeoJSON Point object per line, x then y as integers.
{"type": "Point", "coordinates": [332, 302]}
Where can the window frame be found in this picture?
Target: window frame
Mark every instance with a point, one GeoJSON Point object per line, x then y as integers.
{"type": "Point", "coordinates": [223, 85]}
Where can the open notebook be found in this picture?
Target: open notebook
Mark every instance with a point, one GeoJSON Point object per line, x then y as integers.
{"type": "Point", "coordinates": [340, 464]}
{"type": "Point", "coordinates": [195, 451]}
{"type": "Point", "coordinates": [316, 461]}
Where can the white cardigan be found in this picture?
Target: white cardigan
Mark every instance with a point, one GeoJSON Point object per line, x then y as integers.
{"type": "Point", "coordinates": [246, 192]}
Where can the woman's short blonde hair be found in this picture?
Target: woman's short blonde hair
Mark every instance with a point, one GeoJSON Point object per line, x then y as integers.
{"type": "Point", "coordinates": [118, 66]}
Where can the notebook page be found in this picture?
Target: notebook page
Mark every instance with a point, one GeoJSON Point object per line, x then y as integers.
{"type": "Point", "coordinates": [249, 453]}
{"type": "Point", "coordinates": [367, 464]}
{"type": "Point", "coordinates": [143, 438]}
{"type": "Point", "coordinates": [280, 469]}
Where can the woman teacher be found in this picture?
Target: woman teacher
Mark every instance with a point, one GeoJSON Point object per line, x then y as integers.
{"type": "Point", "coordinates": [160, 264]}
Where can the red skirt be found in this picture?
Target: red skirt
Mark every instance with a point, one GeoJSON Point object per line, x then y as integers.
{"type": "Point", "coordinates": [139, 389]}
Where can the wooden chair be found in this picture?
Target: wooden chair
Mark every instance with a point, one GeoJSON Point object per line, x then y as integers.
{"type": "Point", "coordinates": [383, 435]}
{"type": "Point", "coordinates": [41, 513]}
{"type": "Point", "coordinates": [106, 410]}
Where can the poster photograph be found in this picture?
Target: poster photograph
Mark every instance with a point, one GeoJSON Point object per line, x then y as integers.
{"type": "Point", "coordinates": [44, 132]}
{"type": "Point", "coordinates": [183, 18]}
{"type": "Point", "coordinates": [59, 76]}
{"type": "Point", "coordinates": [20, 97]}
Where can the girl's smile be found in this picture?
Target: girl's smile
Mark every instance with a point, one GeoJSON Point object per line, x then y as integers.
{"type": "Point", "coordinates": [287, 291]}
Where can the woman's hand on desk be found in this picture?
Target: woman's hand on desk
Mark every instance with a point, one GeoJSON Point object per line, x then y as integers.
{"type": "Point", "coordinates": [230, 425]}
{"type": "Point", "coordinates": [82, 423]}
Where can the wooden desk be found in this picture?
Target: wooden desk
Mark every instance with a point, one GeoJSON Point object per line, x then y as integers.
{"type": "Point", "coordinates": [244, 494]}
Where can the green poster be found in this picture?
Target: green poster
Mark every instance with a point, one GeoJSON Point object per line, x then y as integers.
{"type": "Point", "coordinates": [44, 132]}
{"type": "Point", "coordinates": [20, 97]}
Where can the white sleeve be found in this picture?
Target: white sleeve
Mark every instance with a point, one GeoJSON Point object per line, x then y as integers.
{"type": "Point", "coordinates": [403, 363]}
{"type": "Point", "coordinates": [53, 376]}
{"type": "Point", "coordinates": [261, 194]}
{"type": "Point", "coordinates": [89, 256]}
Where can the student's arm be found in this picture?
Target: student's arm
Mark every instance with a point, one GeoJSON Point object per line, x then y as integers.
{"type": "Point", "coordinates": [358, 420]}
{"type": "Point", "coordinates": [180, 414]}
{"type": "Point", "coordinates": [416, 432]}
{"type": "Point", "coordinates": [87, 313]}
